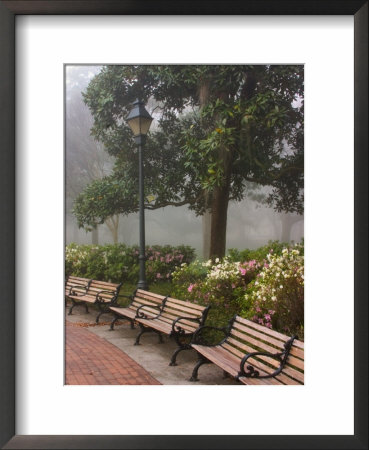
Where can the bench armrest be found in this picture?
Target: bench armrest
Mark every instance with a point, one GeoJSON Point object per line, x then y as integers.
{"type": "Point", "coordinates": [250, 372]}
{"type": "Point", "coordinates": [108, 291]}
{"type": "Point", "coordinates": [76, 293]}
{"type": "Point", "coordinates": [177, 329]}
{"type": "Point", "coordinates": [199, 339]}
{"type": "Point", "coordinates": [140, 314]}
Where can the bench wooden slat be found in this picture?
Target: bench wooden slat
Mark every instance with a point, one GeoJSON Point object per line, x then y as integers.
{"type": "Point", "coordinates": [148, 296]}
{"type": "Point", "coordinates": [265, 330]}
{"type": "Point", "coordinates": [143, 294]}
{"type": "Point", "coordinates": [261, 381]}
{"type": "Point", "coordinates": [159, 325]}
{"type": "Point", "coordinates": [296, 351]}
{"type": "Point", "coordinates": [187, 304]}
{"type": "Point", "coordinates": [282, 377]}
{"type": "Point", "coordinates": [180, 310]}
{"type": "Point", "coordinates": [264, 369]}
{"type": "Point", "coordinates": [174, 314]}
{"type": "Point", "coordinates": [213, 354]}
{"type": "Point", "coordinates": [265, 337]}
{"type": "Point", "coordinates": [261, 346]}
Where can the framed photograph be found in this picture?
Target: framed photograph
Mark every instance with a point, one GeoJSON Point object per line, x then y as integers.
{"type": "Point", "coordinates": [38, 40]}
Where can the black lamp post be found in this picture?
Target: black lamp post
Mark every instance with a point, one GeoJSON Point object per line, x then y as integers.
{"type": "Point", "coordinates": [139, 120]}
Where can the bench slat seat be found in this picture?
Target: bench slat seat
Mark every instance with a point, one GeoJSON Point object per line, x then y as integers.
{"type": "Point", "coordinates": [245, 353]}
{"type": "Point", "coordinates": [101, 293]}
{"type": "Point", "coordinates": [176, 318]}
{"type": "Point", "coordinates": [139, 298]}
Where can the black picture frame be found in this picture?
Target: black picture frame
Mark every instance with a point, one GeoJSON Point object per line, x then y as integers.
{"type": "Point", "coordinates": [8, 11]}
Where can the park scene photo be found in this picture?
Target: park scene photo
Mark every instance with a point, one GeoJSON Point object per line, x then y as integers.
{"type": "Point", "coordinates": [184, 224]}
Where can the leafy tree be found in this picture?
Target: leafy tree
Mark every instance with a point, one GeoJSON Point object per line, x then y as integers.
{"type": "Point", "coordinates": [86, 160]}
{"type": "Point", "coordinates": [219, 129]}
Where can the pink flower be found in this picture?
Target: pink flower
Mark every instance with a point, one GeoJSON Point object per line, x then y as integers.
{"type": "Point", "coordinates": [158, 275]}
{"type": "Point", "coordinates": [261, 321]}
{"type": "Point", "coordinates": [243, 271]}
{"type": "Point", "coordinates": [268, 325]}
{"type": "Point", "coordinates": [233, 285]}
{"type": "Point", "coordinates": [267, 317]}
{"type": "Point", "coordinates": [190, 287]}
{"type": "Point", "coordinates": [258, 309]}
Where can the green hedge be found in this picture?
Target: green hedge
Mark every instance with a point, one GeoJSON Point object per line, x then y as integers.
{"type": "Point", "coordinates": [119, 263]}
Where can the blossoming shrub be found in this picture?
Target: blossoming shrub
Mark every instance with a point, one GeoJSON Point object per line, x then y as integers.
{"type": "Point", "coordinates": [268, 290]}
{"type": "Point", "coordinates": [119, 262]}
{"type": "Point", "coordinates": [220, 284]}
{"type": "Point", "coordinates": [259, 254]}
{"type": "Point", "coordinates": [275, 298]}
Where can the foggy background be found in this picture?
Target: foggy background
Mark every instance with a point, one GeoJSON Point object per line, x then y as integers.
{"type": "Point", "coordinates": [250, 224]}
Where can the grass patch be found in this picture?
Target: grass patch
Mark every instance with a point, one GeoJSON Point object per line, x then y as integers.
{"type": "Point", "coordinates": [160, 287]}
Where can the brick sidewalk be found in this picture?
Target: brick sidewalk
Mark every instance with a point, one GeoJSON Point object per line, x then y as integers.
{"type": "Point", "coordinates": [93, 360]}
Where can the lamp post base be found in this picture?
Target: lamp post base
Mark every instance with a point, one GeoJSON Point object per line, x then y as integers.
{"type": "Point", "coordinates": [143, 285]}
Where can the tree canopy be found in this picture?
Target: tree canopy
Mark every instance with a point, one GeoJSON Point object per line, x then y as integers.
{"type": "Point", "coordinates": [218, 130]}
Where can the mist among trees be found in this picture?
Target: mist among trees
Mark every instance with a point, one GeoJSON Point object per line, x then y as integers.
{"type": "Point", "coordinates": [223, 160]}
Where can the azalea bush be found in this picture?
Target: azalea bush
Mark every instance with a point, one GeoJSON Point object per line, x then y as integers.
{"type": "Point", "coordinates": [260, 253]}
{"type": "Point", "coordinates": [268, 290]}
{"type": "Point", "coordinates": [275, 298]}
{"type": "Point", "coordinates": [219, 284]}
{"type": "Point", "coordinates": [119, 262]}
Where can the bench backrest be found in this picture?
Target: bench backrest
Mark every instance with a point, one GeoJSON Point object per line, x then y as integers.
{"type": "Point", "coordinates": [174, 308]}
{"type": "Point", "coordinates": [106, 291]}
{"type": "Point", "coordinates": [150, 300]}
{"type": "Point", "coordinates": [79, 284]}
{"type": "Point", "coordinates": [246, 337]}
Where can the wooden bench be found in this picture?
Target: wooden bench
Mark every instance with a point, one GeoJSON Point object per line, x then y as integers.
{"type": "Point", "coordinates": [251, 353]}
{"type": "Point", "coordinates": [101, 293]}
{"type": "Point", "coordinates": [175, 318]}
{"type": "Point", "coordinates": [139, 298]}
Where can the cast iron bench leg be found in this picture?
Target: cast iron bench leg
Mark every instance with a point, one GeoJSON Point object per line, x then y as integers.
{"type": "Point", "coordinates": [74, 303]}
{"type": "Point", "coordinates": [121, 318]}
{"type": "Point", "coordinates": [147, 330]}
{"type": "Point", "coordinates": [175, 354]}
{"type": "Point", "coordinates": [200, 362]}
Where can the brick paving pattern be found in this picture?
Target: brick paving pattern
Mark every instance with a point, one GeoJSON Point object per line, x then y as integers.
{"type": "Point", "coordinates": [92, 360]}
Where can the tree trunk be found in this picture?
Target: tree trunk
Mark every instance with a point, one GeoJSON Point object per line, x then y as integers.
{"type": "Point", "coordinates": [206, 233]}
{"type": "Point", "coordinates": [95, 236]}
{"type": "Point", "coordinates": [219, 221]}
{"type": "Point", "coordinates": [113, 224]}
{"type": "Point", "coordinates": [287, 222]}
